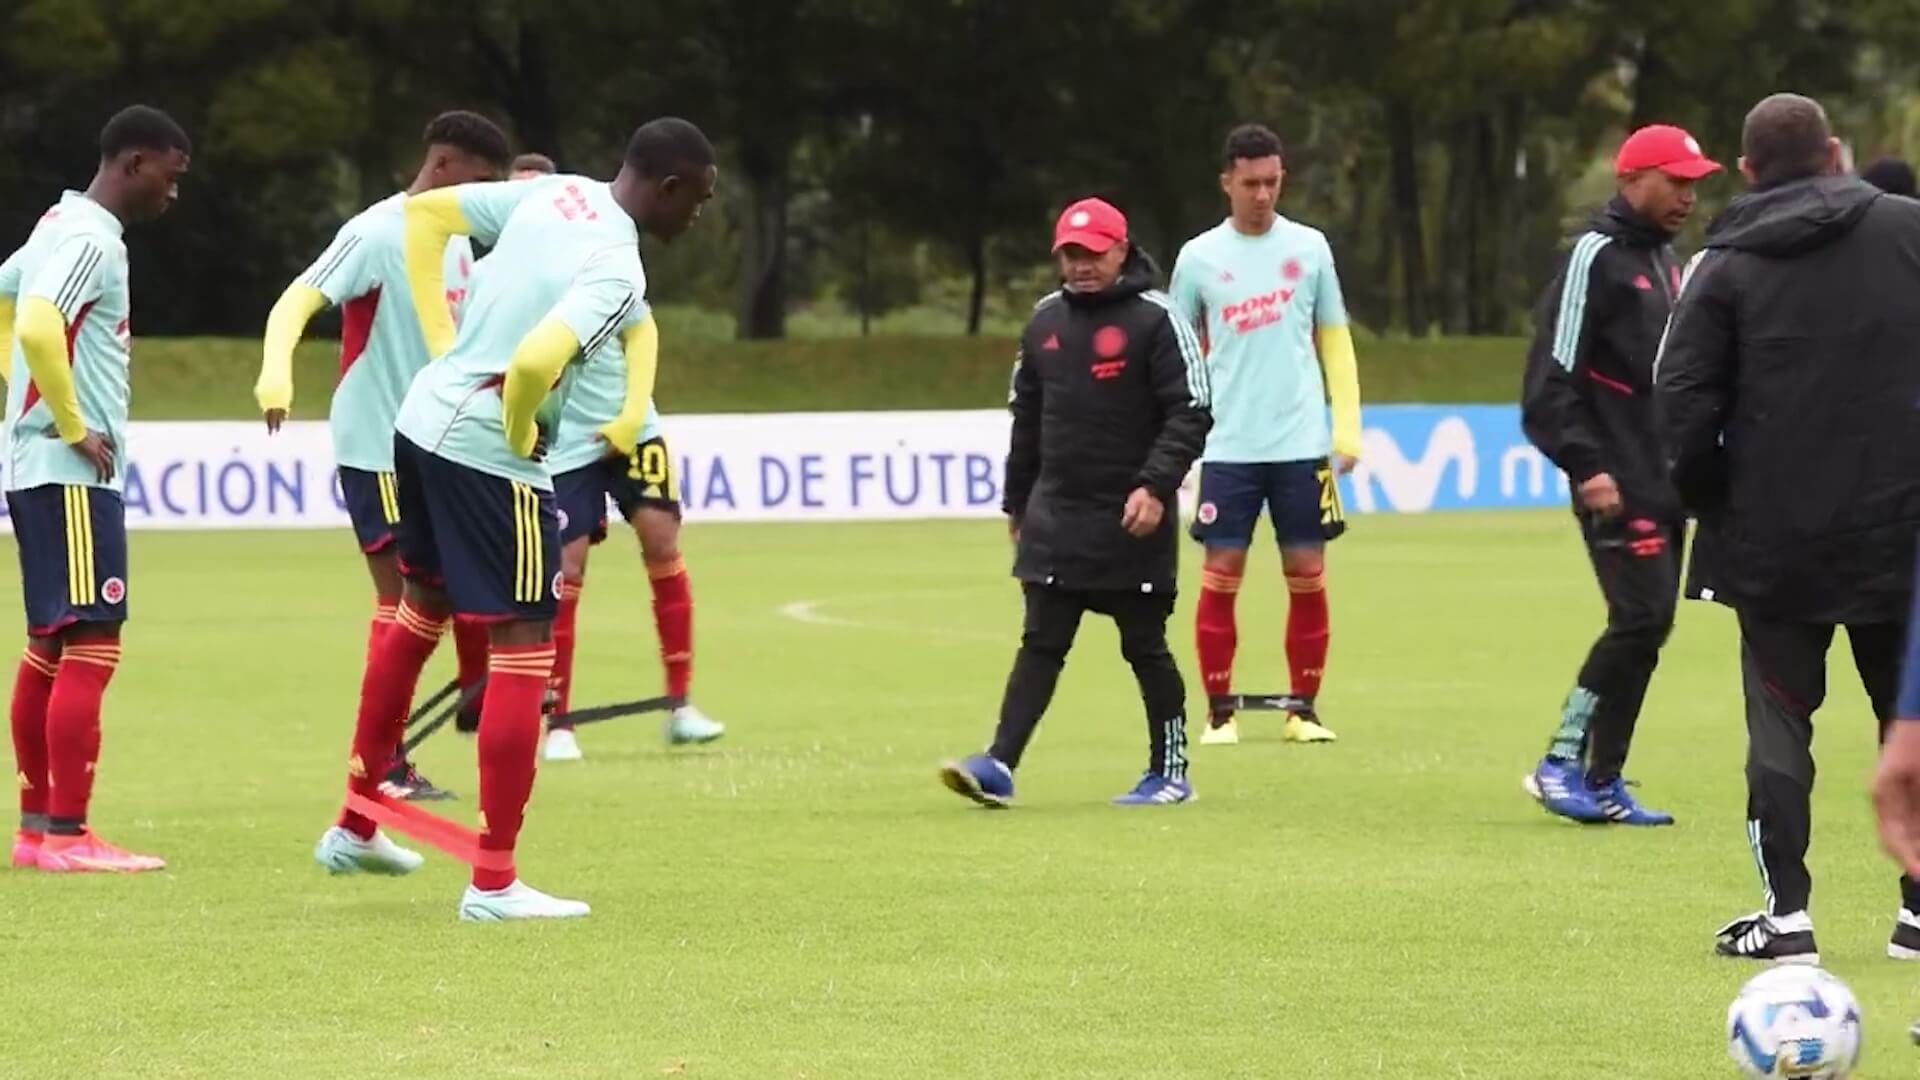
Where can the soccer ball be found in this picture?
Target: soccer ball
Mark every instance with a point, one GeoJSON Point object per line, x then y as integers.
{"type": "Point", "coordinates": [1795, 1021]}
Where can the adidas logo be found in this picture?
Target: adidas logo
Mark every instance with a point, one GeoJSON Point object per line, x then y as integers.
{"type": "Point", "coordinates": [1052, 344]}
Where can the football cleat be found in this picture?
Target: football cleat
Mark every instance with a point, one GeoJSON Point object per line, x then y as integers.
{"type": "Point", "coordinates": [981, 778]}
{"type": "Point", "coordinates": [88, 854]}
{"type": "Point", "coordinates": [1783, 939]}
{"type": "Point", "coordinates": [405, 782]}
{"type": "Point", "coordinates": [562, 745]}
{"type": "Point", "coordinates": [1156, 790]}
{"type": "Point", "coordinates": [341, 852]}
{"type": "Point", "coordinates": [1225, 733]}
{"type": "Point", "coordinates": [1620, 807]}
{"type": "Point", "coordinates": [1305, 727]}
{"type": "Point", "coordinates": [1905, 943]}
{"type": "Point", "coordinates": [688, 726]}
{"type": "Point", "coordinates": [517, 901]}
{"type": "Point", "coordinates": [1560, 787]}
{"type": "Point", "coordinates": [26, 848]}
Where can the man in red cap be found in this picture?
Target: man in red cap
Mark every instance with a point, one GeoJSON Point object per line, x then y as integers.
{"type": "Point", "coordinates": [1110, 409]}
{"type": "Point", "coordinates": [1588, 405]}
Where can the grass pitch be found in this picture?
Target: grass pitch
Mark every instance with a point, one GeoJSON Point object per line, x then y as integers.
{"type": "Point", "coordinates": [804, 900]}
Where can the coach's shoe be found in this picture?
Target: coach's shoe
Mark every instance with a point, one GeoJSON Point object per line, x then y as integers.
{"type": "Point", "coordinates": [1224, 733]}
{"type": "Point", "coordinates": [1621, 808]}
{"type": "Point", "coordinates": [517, 901]}
{"type": "Point", "coordinates": [1783, 939]}
{"type": "Point", "coordinates": [341, 852]}
{"type": "Point", "coordinates": [1905, 943]}
{"type": "Point", "coordinates": [26, 848]}
{"type": "Point", "coordinates": [562, 745]}
{"type": "Point", "coordinates": [405, 782]}
{"type": "Point", "coordinates": [981, 778]}
{"type": "Point", "coordinates": [88, 854]}
{"type": "Point", "coordinates": [1305, 727]}
{"type": "Point", "coordinates": [1156, 790]}
{"type": "Point", "coordinates": [1560, 787]}
{"type": "Point", "coordinates": [688, 726]}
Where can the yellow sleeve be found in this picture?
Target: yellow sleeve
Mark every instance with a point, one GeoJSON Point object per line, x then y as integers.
{"type": "Point", "coordinates": [641, 344]}
{"type": "Point", "coordinates": [531, 372]}
{"type": "Point", "coordinates": [42, 333]}
{"type": "Point", "coordinates": [1343, 386]}
{"type": "Point", "coordinates": [6, 338]}
{"type": "Point", "coordinates": [285, 323]}
{"type": "Point", "coordinates": [433, 218]}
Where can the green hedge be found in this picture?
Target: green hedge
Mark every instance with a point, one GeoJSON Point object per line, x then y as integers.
{"type": "Point", "coordinates": [212, 378]}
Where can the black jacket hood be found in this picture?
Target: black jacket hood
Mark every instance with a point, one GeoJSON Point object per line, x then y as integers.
{"type": "Point", "coordinates": [1797, 216]}
{"type": "Point", "coordinates": [1137, 275]}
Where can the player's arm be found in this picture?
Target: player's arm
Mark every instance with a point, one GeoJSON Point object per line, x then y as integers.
{"type": "Point", "coordinates": [640, 345]}
{"type": "Point", "coordinates": [1177, 371]}
{"type": "Point", "coordinates": [1023, 450]}
{"type": "Point", "coordinates": [1554, 407]}
{"type": "Point", "coordinates": [9, 288]}
{"type": "Point", "coordinates": [600, 302]}
{"type": "Point", "coordinates": [342, 272]}
{"type": "Point", "coordinates": [73, 278]}
{"type": "Point", "coordinates": [1693, 383]}
{"type": "Point", "coordinates": [1188, 301]}
{"type": "Point", "coordinates": [1333, 340]}
{"type": "Point", "coordinates": [478, 210]}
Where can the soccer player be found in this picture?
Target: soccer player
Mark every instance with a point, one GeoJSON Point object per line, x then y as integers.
{"type": "Point", "coordinates": [381, 350]}
{"type": "Point", "coordinates": [1588, 405]}
{"type": "Point", "coordinates": [1263, 293]}
{"type": "Point", "coordinates": [478, 532]}
{"type": "Point", "coordinates": [65, 296]}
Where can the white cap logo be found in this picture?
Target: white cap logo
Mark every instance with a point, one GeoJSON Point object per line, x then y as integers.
{"type": "Point", "coordinates": [1693, 145]}
{"type": "Point", "coordinates": [1079, 219]}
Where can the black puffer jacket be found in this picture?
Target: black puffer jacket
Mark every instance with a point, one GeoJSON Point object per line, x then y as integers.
{"type": "Point", "coordinates": [1587, 400]}
{"type": "Point", "coordinates": [1109, 395]}
{"type": "Point", "coordinates": [1788, 392]}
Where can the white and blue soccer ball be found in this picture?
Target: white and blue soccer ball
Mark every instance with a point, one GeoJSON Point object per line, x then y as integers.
{"type": "Point", "coordinates": [1795, 1021]}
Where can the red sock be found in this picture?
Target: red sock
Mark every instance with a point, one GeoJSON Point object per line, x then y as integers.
{"type": "Point", "coordinates": [32, 686]}
{"type": "Point", "coordinates": [73, 724]}
{"type": "Point", "coordinates": [509, 736]}
{"type": "Point", "coordinates": [384, 612]}
{"type": "Point", "coordinates": [1307, 632]}
{"type": "Point", "coordinates": [386, 690]}
{"type": "Point", "coordinates": [470, 643]}
{"type": "Point", "coordinates": [1215, 636]}
{"type": "Point", "coordinates": [565, 620]}
{"type": "Point", "coordinates": [673, 617]}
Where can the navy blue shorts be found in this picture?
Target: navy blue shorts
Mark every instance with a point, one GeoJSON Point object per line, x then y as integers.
{"type": "Point", "coordinates": [492, 543]}
{"type": "Point", "coordinates": [373, 505]}
{"type": "Point", "coordinates": [1300, 496]}
{"type": "Point", "coordinates": [73, 555]}
{"type": "Point", "coordinates": [644, 481]}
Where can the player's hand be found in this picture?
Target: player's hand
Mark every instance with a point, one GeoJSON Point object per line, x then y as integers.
{"type": "Point", "coordinates": [1143, 513]}
{"type": "Point", "coordinates": [1344, 463]}
{"type": "Point", "coordinates": [98, 450]}
{"type": "Point", "coordinates": [1013, 528]}
{"type": "Point", "coordinates": [1896, 795]}
{"type": "Point", "coordinates": [1601, 495]}
{"type": "Point", "coordinates": [275, 417]}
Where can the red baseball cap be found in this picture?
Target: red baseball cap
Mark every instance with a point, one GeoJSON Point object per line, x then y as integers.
{"type": "Point", "coordinates": [1667, 148]}
{"type": "Point", "coordinates": [1093, 224]}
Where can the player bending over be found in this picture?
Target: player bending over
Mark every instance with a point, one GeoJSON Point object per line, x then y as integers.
{"type": "Point", "coordinates": [1109, 410]}
{"type": "Point", "coordinates": [381, 350]}
{"type": "Point", "coordinates": [64, 297]}
{"type": "Point", "coordinates": [1263, 293]}
{"type": "Point", "coordinates": [478, 533]}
